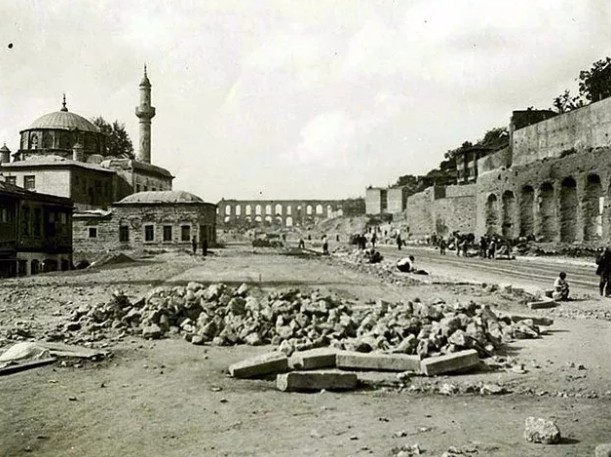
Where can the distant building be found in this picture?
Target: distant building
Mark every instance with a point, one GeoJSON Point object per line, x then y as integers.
{"type": "Point", "coordinates": [466, 163]}
{"type": "Point", "coordinates": [35, 232]}
{"type": "Point", "coordinates": [146, 220]}
{"type": "Point", "coordinates": [385, 200]}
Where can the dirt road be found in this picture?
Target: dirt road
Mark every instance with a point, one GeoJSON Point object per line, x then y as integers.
{"type": "Point", "coordinates": [170, 398]}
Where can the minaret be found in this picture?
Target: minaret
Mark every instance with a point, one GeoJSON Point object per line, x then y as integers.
{"type": "Point", "coordinates": [145, 112]}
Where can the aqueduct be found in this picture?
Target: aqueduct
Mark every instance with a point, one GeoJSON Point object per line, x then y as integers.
{"type": "Point", "coordinates": [287, 213]}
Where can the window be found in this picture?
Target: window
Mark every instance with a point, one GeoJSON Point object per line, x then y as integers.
{"type": "Point", "coordinates": [123, 233]}
{"type": "Point", "coordinates": [93, 232]}
{"type": "Point", "coordinates": [167, 233]}
{"type": "Point", "coordinates": [29, 182]}
{"type": "Point", "coordinates": [25, 221]}
{"type": "Point", "coordinates": [149, 233]}
{"type": "Point", "coordinates": [11, 180]}
{"type": "Point", "coordinates": [185, 233]}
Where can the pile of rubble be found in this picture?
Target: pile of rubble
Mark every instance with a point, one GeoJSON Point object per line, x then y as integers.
{"type": "Point", "coordinates": [297, 320]}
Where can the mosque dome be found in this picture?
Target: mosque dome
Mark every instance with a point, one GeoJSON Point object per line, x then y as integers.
{"type": "Point", "coordinates": [162, 196]}
{"type": "Point", "coordinates": [63, 120]}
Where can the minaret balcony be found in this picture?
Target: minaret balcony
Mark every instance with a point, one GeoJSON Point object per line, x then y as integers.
{"type": "Point", "coordinates": [145, 111]}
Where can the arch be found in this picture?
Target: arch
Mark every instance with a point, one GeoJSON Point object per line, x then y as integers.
{"type": "Point", "coordinates": [289, 210]}
{"type": "Point", "coordinates": [568, 209]}
{"type": "Point", "coordinates": [278, 220]}
{"type": "Point", "coordinates": [340, 212]}
{"type": "Point", "coordinates": [227, 219]}
{"type": "Point", "coordinates": [547, 212]}
{"type": "Point", "coordinates": [258, 211]}
{"type": "Point", "coordinates": [258, 219]}
{"type": "Point", "coordinates": [527, 215]}
{"type": "Point", "coordinates": [492, 214]}
{"type": "Point", "coordinates": [329, 211]}
{"type": "Point", "coordinates": [248, 219]}
{"type": "Point", "coordinates": [237, 210]}
{"type": "Point", "coordinates": [268, 209]}
{"type": "Point", "coordinates": [289, 221]}
{"type": "Point", "coordinates": [319, 210]}
{"type": "Point", "coordinates": [309, 210]}
{"type": "Point", "coordinates": [248, 210]}
{"type": "Point", "coordinates": [593, 204]}
{"type": "Point", "coordinates": [227, 210]}
{"type": "Point", "coordinates": [34, 267]}
{"type": "Point", "coordinates": [50, 265]}
{"type": "Point", "coordinates": [268, 219]}
{"type": "Point", "coordinates": [509, 209]}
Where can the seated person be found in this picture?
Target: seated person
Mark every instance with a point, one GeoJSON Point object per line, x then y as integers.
{"type": "Point", "coordinates": [406, 264]}
{"type": "Point", "coordinates": [561, 288]}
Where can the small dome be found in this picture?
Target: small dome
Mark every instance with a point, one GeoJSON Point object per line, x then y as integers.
{"type": "Point", "coordinates": [162, 196]}
{"type": "Point", "coordinates": [63, 120]}
{"type": "Point", "coordinates": [4, 148]}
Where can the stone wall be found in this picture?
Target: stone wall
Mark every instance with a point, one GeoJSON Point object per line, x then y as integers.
{"type": "Point", "coordinates": [396, 200]}
{"type": "Point", "coordinates": [442, 210]}
{"type": "Point", "coordinates": [495, 160]}
{"type": "Point", "coordinates": [561, 200]}
{"type": "Point", "coordinates": [579, 130]}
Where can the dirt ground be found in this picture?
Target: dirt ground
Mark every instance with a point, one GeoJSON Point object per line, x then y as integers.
{"type": "Point", "coordinates": [171, 398]}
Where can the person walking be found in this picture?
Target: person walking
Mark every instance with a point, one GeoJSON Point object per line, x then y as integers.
{"type": "Point", "coordinates": [603, 269]}
{"type": "Point", "coordinates": [205, 247]}
{"type": "Point", "coordinates": [194, 245]}
{"type": "Point", "coordinates": [442, 246]}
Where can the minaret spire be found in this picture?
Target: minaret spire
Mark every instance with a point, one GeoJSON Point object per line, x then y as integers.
{"type": "Point", "coordinates": [145, 112]}
{"type": "Point", "coordinates": [64, 108]}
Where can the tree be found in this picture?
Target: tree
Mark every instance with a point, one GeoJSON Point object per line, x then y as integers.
{"type": "Point", "coordinates": [595, 83]}
{"type": "Point", "coordinates": [564, 102]}
{"type": "Point", "coordinates": [495, 138]}
{"type": "Point", "coordinates": [118, 143]}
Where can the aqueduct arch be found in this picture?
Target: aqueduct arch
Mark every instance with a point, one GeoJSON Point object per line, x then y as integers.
{"type": "Point", "coordinates": [492, 214]}
{"type": "Point", "coordinates": [527, 214]}
{"type": "Point", "coordinates": [592, 209]}
{"type": "Point", "coordinates": [568, 210]}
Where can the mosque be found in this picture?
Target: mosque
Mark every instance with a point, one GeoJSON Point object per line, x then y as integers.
{"type": "Point", "coordinates": [115, 198]}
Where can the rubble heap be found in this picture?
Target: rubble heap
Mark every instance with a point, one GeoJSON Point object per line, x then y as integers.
{"type": "Point", "coordinates": [298, 320]}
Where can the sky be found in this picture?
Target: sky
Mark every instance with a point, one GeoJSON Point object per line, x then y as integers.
{"type": "Point", "coordinates": [293, 99]}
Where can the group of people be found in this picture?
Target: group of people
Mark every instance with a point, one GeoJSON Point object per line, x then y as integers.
{"type": "Point", "coordinates": [488, 246]}
{"type": "Point", "coordinates": [204, 246]}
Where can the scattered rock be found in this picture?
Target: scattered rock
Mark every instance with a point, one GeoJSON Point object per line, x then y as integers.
{"type": "Point", "coordinates": [538, 430]}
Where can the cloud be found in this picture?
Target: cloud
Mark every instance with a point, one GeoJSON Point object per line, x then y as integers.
{"type": "Point", "coordinates": [326, 140]}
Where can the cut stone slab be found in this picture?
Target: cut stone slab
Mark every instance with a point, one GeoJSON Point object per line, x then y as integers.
{"type": "Point", "coordinates": [377, 361]}
{"type": "Point", "coordinates": [303, 381]}
{"type": "Point", "coordinates": [313, 359]}
{"type": "Point", "coordinates": [545, 321]}
{"type": "Point", "coordinates": [542, 304]}
{"type": "Point", "coordinates": [262, 365]}
{"type": "Point", "coordinates": [450, 363]}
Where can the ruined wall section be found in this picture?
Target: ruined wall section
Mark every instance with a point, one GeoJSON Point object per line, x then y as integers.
{"type": "Point", "coordinates": [442, 210]}
{"type": "Point", "coordinates": [580, 130]}
{"type": "Point", "coordinates": [561, 200]}
{"type": "Point", "coordinates": [495, 160]}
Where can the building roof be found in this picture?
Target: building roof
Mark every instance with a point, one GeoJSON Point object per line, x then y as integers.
{"type": "Point", "coordinates": [162, 196]}
{"type": "Point", "coordinates": [63, 120]}
{"type": "Point", "coordinates": [127, 164]}
{"type": "Point", "coordinates": [53, 161]}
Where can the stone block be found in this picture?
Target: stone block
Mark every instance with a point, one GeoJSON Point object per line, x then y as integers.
{"type": "Point", "coordinates": [377, 362]}
{"type": "Point", "coordinates": [542, 304]}
{"type": "Point", "coordinates": [313, 359]}
{"type": "Point", "coordinates": [262, 365]}
{"type": "Point", "coordinates": [450, 363]}
{"type": "Point", "coordinates": [545, 321]}
{"type": "Point", "coordinates": [298, 381]}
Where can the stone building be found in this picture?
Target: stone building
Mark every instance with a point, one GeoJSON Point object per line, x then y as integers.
{"type": "Point", "coordinates": [146, 220]}
{"type": "Point", "coordinates": [88, 185]}
{"type": "Point", "coordinates": [35, 232]}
